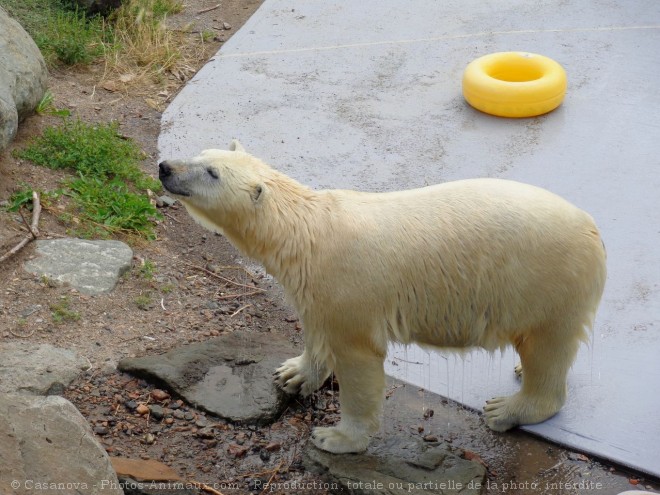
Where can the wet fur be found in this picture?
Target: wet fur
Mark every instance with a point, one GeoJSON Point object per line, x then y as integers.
{"type": "Point", "coordinates": [476, 263]}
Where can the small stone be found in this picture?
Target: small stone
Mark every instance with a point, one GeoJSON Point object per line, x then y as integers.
{"type": "Point", "coordinates": [176, 404]}
{"type": "Point", "coordinates": [101, 430]}
{"type": "Point", "coordinates": [201, 422]}
{"type": "Point", "coordinates": [156, 411]}
{"type": "Point", "coordinates": [166, 201]}
{"type": "Point", "coordinates": [159, 395]}
{"type": "Point", "coordinates": [149, 439]}
{"type": "Point", "coordinates": [207, 432]}
{"type": "Point", "coordinates": [169, 421]}
{"type": "Point", "coordinates": [142, 409]}
{"type": "Point", "coordinates": [226, 26]}
{"type": "Point", "coordinates": [273, 446]}
{"type": "Point", "coordinates": [237, 451]}
{"type": "Point", "coordinates": [56, 388]}
{"type": "Point", "coordinates": [178, 414]}
{"type": "Point", "coordinates": [30, 310]}
{"type": "Point", "coordinates": [430, 438]}
{"type": "Point", "coordinates": [189, 416]}
{"type": "Point", "coordinates": [131, 405]}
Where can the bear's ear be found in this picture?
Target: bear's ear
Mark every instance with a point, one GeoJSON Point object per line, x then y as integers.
{"type": "Point", "coordinates": [257, 192]}
{"type": "Point", "coordinates": [235, 145]}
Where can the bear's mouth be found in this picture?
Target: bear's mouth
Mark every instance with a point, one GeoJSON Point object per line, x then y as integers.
{"type": "Point", "coordinates": [172, 188]}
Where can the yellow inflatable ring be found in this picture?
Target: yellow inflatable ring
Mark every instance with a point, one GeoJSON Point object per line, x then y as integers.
{"type": "Point", "coordinates": [514, 84]}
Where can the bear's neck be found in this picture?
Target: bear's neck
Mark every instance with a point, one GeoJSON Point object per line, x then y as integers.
{"type": "Point", "coordinates": [285, 233]}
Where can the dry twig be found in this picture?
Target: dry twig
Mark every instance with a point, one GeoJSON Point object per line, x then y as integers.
{"type": "Point", "coordinates": [33, 227]}
{"type": "Point", "coordinates": [203, 11]}
{"type": "Point", "coordinates": [225, 279]}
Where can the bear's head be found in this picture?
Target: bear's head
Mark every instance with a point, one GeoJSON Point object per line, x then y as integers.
{"type": "Point", "coordinates": [219, 188]}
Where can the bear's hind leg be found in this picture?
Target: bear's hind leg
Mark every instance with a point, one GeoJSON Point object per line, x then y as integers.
{"type": "Point", "coordinates": [301, 375]}
{"type": "Point", "coordinates": [361, 380]}
{"type": "Point", "coordinates": [546, 356]}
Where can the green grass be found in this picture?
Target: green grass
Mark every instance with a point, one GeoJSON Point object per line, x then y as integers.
{"type": "Point", "coordinates": [143, 301]}
{"type": "Point", "coordinates": [64, 35]}
{"type": "Point", "coordinates": [148, 269]}
{"type": "Point", "coordinates": [107, 190]}
{"type": "Point", "coordinates": [133, 36]}
{"type": "Point", "coordinates": [62, 312]}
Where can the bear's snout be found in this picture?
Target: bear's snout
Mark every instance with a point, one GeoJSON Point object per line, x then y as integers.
{"type": "Point", "coordinates": [164, 170]}
{"type": "Point", "coordinates": [171, 179]}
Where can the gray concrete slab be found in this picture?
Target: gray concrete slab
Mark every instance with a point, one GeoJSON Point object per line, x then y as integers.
{"type": "Point", "coordinates": [367, 95]}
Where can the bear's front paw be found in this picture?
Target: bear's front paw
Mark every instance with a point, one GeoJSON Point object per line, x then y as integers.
{"type": "Point", "coordinates": [338, 442]}
{"type": "Point", "coordinates": [296, 375]}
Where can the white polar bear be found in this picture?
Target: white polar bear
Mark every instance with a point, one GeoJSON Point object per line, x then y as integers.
{"type": "Point", "coordinates": [473, 263]}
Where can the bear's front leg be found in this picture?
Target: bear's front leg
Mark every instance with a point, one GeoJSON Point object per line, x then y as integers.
{"type": "Point", "coordinates": [301, 375]}
{"type": "Point", "coordinates": [361, 378]}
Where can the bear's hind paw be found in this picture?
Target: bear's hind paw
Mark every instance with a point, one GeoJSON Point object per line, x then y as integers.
{"type": "Point", "coordinates": [338, 442]}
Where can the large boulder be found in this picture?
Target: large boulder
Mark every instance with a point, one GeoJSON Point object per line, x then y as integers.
{"type": "Point", "coordinates": [23, 76]}
{"type": "Point", "coordinates": [230, 376]}
{"type": "Point", "coordinates": [91, 267]}
{"type": "Point", "coordinates": [29, 368]}
{"type": "Point", "coordinates": [46, 446]}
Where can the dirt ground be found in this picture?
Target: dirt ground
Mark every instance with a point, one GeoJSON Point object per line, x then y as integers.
{"type": "Point", "coordinates": [200, 288]}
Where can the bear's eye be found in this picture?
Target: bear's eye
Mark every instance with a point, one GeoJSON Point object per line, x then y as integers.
{"type": "Point", "coordinates": [212, 172]}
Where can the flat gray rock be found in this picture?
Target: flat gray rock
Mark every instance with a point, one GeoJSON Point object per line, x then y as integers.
{"type": "Point", "coordinates": [91, 267]}
{"type": "Point", "coordinates": [23, 76]}
{"type": "Point", "coordinates": [45, 440]}
{"type": "Point", "coordinates": [38, 369]}
{"type": "Point", "coordinates": [398, 465]}
{"type": "Point", "coordinates": [230, 376]}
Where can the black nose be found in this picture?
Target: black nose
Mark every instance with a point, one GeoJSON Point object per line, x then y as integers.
{"type": "Point", "coordinates": [164, 170]}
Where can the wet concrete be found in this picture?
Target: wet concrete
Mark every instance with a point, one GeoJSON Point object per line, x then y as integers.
{"type": "Point", "coordinates": [366, 95]}
{"type": "Point", "coordinates": [517, 462]}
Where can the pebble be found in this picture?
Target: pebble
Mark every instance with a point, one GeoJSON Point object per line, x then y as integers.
{"type": "Point", "coordinates": [178, 414]}
{"type": "Point", "coordinates": [226, 26]}
{"type": "Point", "coordinates": [165, 200]}
{"type": "Point", "coordinates": [131, 405]}
{"type": "Point", "coordinates": [201, 422]}
{"type": "Point", "coordinates": [159, 395]}
{"type": "Point", "coordinates": [30, 310]}
{"type": "Point", "coordinates": [273, 446]}
{"type": "Point", "coordinates": [430, 438]}
{"type": "Point", "coordinates": [101, 430]}
{"type": "Point", "coordinates": [142, 409]}
{"type": "Point", "coordinates": [189, 416]}
{"type": "Point", "coordinates": [157, 411]}
{"type": "Point", "coordinates": [149, 438]}
{"type": "Point", "coordinates": [207, 432]}
{"type": "Point", "coordinates": [237, 450]}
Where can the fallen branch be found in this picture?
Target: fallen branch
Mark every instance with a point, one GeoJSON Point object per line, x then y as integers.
{"type": "Point", "coordinates": [204, 11]}
{"type": "Point", "coordinates": [33, 227]}
{"type": "Point", "coordinates": [233, 296]}
{"type": "Point", "coordinates": [239, 310]}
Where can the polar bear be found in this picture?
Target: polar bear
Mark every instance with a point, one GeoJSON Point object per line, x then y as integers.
{"type": "Point", "coordinates": [472, 263]}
